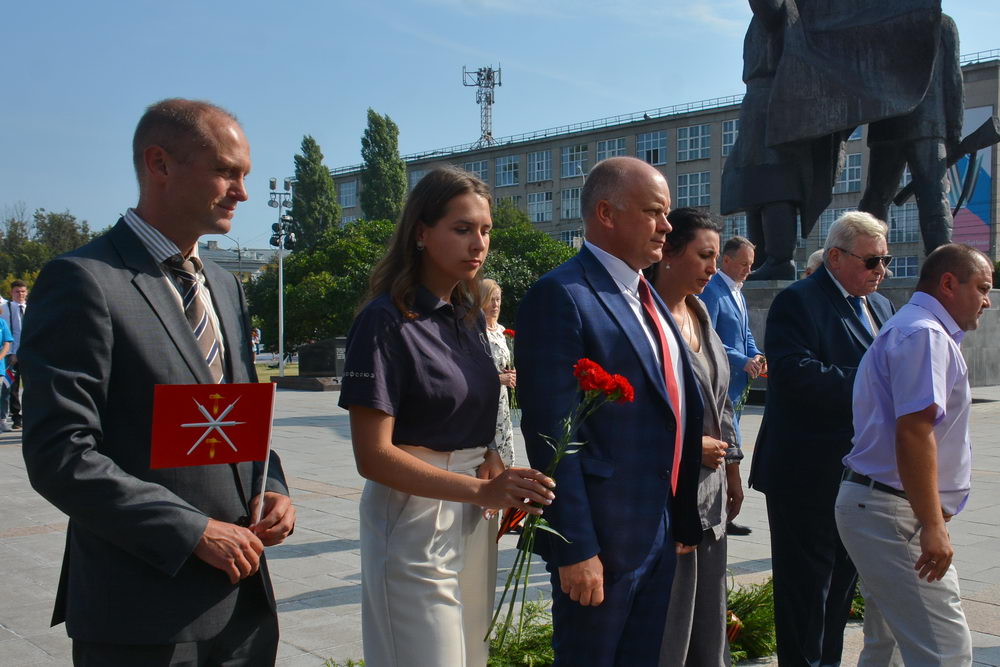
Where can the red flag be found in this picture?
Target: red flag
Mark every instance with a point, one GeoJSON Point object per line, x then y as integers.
{"type": "Point", "coordinates": [199, 424]}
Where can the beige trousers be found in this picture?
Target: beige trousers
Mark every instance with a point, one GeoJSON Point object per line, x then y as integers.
{"type": "Point", "coordinates": [428, 573]}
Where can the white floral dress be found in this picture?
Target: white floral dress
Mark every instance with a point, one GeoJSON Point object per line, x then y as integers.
{"type": "Point", "coordinates": [505, 430]}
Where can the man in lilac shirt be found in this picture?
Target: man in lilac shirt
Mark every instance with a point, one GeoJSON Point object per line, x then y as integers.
{"type": "Point", "coordinates": [910, 469]}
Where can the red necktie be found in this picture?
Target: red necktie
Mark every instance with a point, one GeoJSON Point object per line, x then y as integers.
{"type": "Point", "coordinates": [646, 299]}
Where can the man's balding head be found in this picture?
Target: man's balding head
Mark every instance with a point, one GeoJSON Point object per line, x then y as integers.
{"type": "Point", "coordinates": [176, 125]}
{"type": "Point", "coordinates": [624, 203]}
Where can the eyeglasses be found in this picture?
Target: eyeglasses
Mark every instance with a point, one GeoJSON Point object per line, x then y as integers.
{"type": "Point", "coordinates": [870, 262]}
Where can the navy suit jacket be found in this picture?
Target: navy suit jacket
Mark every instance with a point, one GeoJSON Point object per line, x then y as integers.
{"type": "Point", "coordinates": [814, 344]}
{"type": "Point", "coordinates": [611, 494]}
{"type": "Point", "coordinates": [733, 328]}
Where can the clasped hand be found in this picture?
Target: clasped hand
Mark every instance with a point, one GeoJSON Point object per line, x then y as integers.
{"type": "Point", "coordinates": [236, 550]}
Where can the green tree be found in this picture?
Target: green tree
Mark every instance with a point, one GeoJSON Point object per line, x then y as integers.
{"type": "Point", "coordinates": [59, 232]}
{"type": "Point", "coordinates": [314, 204]}
{"type": "Point", "coordinates": [383, 176]}
{"type": "Point", "coordinates": [323, 285]}
{"type": "Point", "coordinates": [519, 255]}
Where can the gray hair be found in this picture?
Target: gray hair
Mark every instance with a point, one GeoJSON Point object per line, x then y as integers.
{"type": "Point", "coordinates": [849, 227]}
{"type": "Point", "coordinates": [734, 243]}
{"type": "Point", "coordinates": [814, 260]}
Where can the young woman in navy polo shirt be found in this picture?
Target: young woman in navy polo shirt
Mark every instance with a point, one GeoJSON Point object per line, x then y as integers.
{"type": "Point", "coordinates": [422, 392]}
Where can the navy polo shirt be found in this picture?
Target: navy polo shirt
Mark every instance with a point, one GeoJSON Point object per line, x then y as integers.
{"type": "Point", "coordinates": [433, 372]}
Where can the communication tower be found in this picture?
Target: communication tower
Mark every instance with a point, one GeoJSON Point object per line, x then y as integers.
{"type": "Point", "coordinates": [484, 79]}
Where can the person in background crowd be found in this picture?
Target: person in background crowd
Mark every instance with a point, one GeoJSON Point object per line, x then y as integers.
{"type": "Point", "coordinates": [817, 331]}
{"type": "Point", "coordinates": [696, 618]}
{"type": "Point", "coordinates": [162, 567]}
{"type": "Point", "coordinates": [422, 391]}
{"type": "Point", "coordinates": [727, 308]}
{"type": "Point", "coordinates": [12, 312]}
{"type": "Point", "coordinates": [813, 263]}
{"type": "Point", "coordinates": [628, 499]}
{"type": "Point", "coordinates": [6, 340]}
{"type": "Point", "coordinates": [910, 470]}
{"type": "Point", "coordinates": [491, 295]}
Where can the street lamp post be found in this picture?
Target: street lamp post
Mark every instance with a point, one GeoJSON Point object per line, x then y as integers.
{"type": "Point", "coordinates": [282, 238]}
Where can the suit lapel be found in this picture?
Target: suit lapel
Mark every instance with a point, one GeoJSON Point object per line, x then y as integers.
{"type": "Point", "coordinates": [610, 295]}
{"type": "Point", "coordinates": [844, 309]}
{"type": "Point", "coordinates": [149, 280]}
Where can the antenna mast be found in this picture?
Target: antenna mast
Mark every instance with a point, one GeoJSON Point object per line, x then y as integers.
{"type": "Point", "coordinates": [484, 79]}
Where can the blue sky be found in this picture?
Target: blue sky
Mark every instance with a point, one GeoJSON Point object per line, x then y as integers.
{"type": "Point", "coordinates": [77, 76]}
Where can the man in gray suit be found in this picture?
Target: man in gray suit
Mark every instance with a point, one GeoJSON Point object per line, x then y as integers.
{"type": "Point", "coordinates": [162, 567]}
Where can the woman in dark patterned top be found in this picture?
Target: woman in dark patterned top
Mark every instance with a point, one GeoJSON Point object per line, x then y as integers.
{"type": "Point", "coordinates": [422, 392]}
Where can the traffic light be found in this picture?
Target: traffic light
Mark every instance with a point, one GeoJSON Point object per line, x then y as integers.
{"type": "Point", "coordinates": [275, 241]}
{"type": "Point", "coordinates": [290, 242]}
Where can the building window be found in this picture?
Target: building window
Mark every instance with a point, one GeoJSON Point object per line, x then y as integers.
{"type": "Point", "coordinates": [539, 166]}
{"type": "Point", "coordinates": [904, 223]}
{"type": "Point", "coordinates": [827, 218]}
{"type": "Point", "coordinates": [574, 161]}
{"type": "Point", "coordinates": [856, 134]}
{"type": "Point", "coordinates": [693, 189]}
{"type": "Point", "coordinates": [480, 169]}
{"type": "Point", "coordinates": [734, 225]}
{"type": "Point", "coordinates": [570, 209]}
{"type": "Point", "coordinates": [693, 143]}
{"type": "Point", "coordinates": [610, 148]}
{"type": "Point", "coordinates": [344, 219]}
{"type": "Point", "coordinates": [905, 267]}
{"type": "Point", "coordinates": [905, 179]}
{"type": "Point", "coordinates": [570, 236]}
{"type": "Point", "coordinates": [414, 177]}
{"type": "Point", "coordinates": [652, 147]}
{"type": "Point", "coordinates": [730, 130]}
{"type": "Point", "coordinates": [508, 170]}
{"type": "Point", "coordinates": [849, 179]}
{"type": "Point", "coordinates": [514, 200]}
{"type": "Point", "coordinates": [540, 206]}
{"type": "Point", "coordinates": [347, 194]}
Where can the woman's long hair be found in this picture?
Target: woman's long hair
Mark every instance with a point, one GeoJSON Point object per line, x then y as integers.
{"type": "Point", "coordinates": [398, 272]}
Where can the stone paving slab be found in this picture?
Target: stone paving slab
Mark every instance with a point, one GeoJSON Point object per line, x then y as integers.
{"type": "Point", "coordinates": [317, 572]}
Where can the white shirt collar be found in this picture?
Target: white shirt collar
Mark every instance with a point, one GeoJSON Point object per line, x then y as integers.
{"type": "Point", "coordinates": [158, 245]}
{"type": "Point", "coordinates": [847, 295]}
{"type": "Point", "coordinates": [733, 285]}
{"type": "Point", "coordinates": [622, 273]}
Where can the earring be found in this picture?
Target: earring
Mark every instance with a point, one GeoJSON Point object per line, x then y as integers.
{"type": "Point", "coordinates": [420, 246]}
{"type": "Point", "coordinates": [666, 266]}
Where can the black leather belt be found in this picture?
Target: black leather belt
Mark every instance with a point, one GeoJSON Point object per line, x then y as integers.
{"type": "Point", "coordinates": [858, 478]}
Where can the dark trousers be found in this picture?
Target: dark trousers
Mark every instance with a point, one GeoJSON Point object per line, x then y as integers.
{"type": "Point", "coordinates": [627, 628]}
{"type": "Point", "coordinates": [250, 639]}
{"type": "Point", "coordinates": [814, 580]}
{"type": "Point", "coordinates": [15, 395]}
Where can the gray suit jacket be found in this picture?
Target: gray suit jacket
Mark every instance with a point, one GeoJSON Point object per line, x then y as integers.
{"type": "Point", "coordinates": [103, 329]}
{"type": "Point", "coordinates": [713, 379]}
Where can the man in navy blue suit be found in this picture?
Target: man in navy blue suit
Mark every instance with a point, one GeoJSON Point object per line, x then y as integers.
{"type": "Point", "coordinates": [727, 308]}
{"type": "Point", "coordinates": [625, 503]}
{"type": "Point", "coordinates": [817, 331]}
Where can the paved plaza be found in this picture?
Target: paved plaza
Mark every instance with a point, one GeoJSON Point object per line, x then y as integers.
{"type": "Point", "coordinates": [317, 571]}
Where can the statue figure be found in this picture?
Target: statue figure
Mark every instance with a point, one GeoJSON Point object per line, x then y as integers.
{"type": "Point", "coordinates": [924, 140]}
{"type": "Point", "coordinates": [816, 69]}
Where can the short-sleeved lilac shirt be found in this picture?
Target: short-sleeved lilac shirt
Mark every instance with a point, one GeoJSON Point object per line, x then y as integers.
{"type": "Point", "coordinates": [433, 373]}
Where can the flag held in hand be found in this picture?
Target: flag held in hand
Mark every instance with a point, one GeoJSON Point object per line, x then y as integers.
{"type": "Point", "coordinates": [201, 424]}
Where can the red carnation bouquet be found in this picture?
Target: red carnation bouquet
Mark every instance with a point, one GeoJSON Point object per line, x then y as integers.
{"type": "Point", "coordinates": [598, 387]}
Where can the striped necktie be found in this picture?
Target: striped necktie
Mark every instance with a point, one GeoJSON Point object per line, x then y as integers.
{"type": "Point", "coordinates": [186, 272]}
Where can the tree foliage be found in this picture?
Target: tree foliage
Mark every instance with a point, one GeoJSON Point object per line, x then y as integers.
{"type": "Point", "coordinates": [314, 204]}
{"type": "Point", "coordinates": [383, 175]}
{"type": "Point", "coordinates": [519, 255]}
{"type": "Point", "coordinates": [323, 285]}
{"type": "Point", "coordinates": [26, 245]}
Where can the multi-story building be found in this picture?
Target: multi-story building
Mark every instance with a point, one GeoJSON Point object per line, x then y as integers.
{"type": "Point", "coordinates": [542, 172]}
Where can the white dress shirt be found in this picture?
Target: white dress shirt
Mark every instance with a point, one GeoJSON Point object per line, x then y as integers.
{"type": "Point", "coordinates": [627, 280]}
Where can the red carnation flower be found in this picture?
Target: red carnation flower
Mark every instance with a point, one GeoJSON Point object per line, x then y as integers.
{"type": "Point", "coordinates": [509, 333]}
{"type": "Point", "coordinates": [622, 391]}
